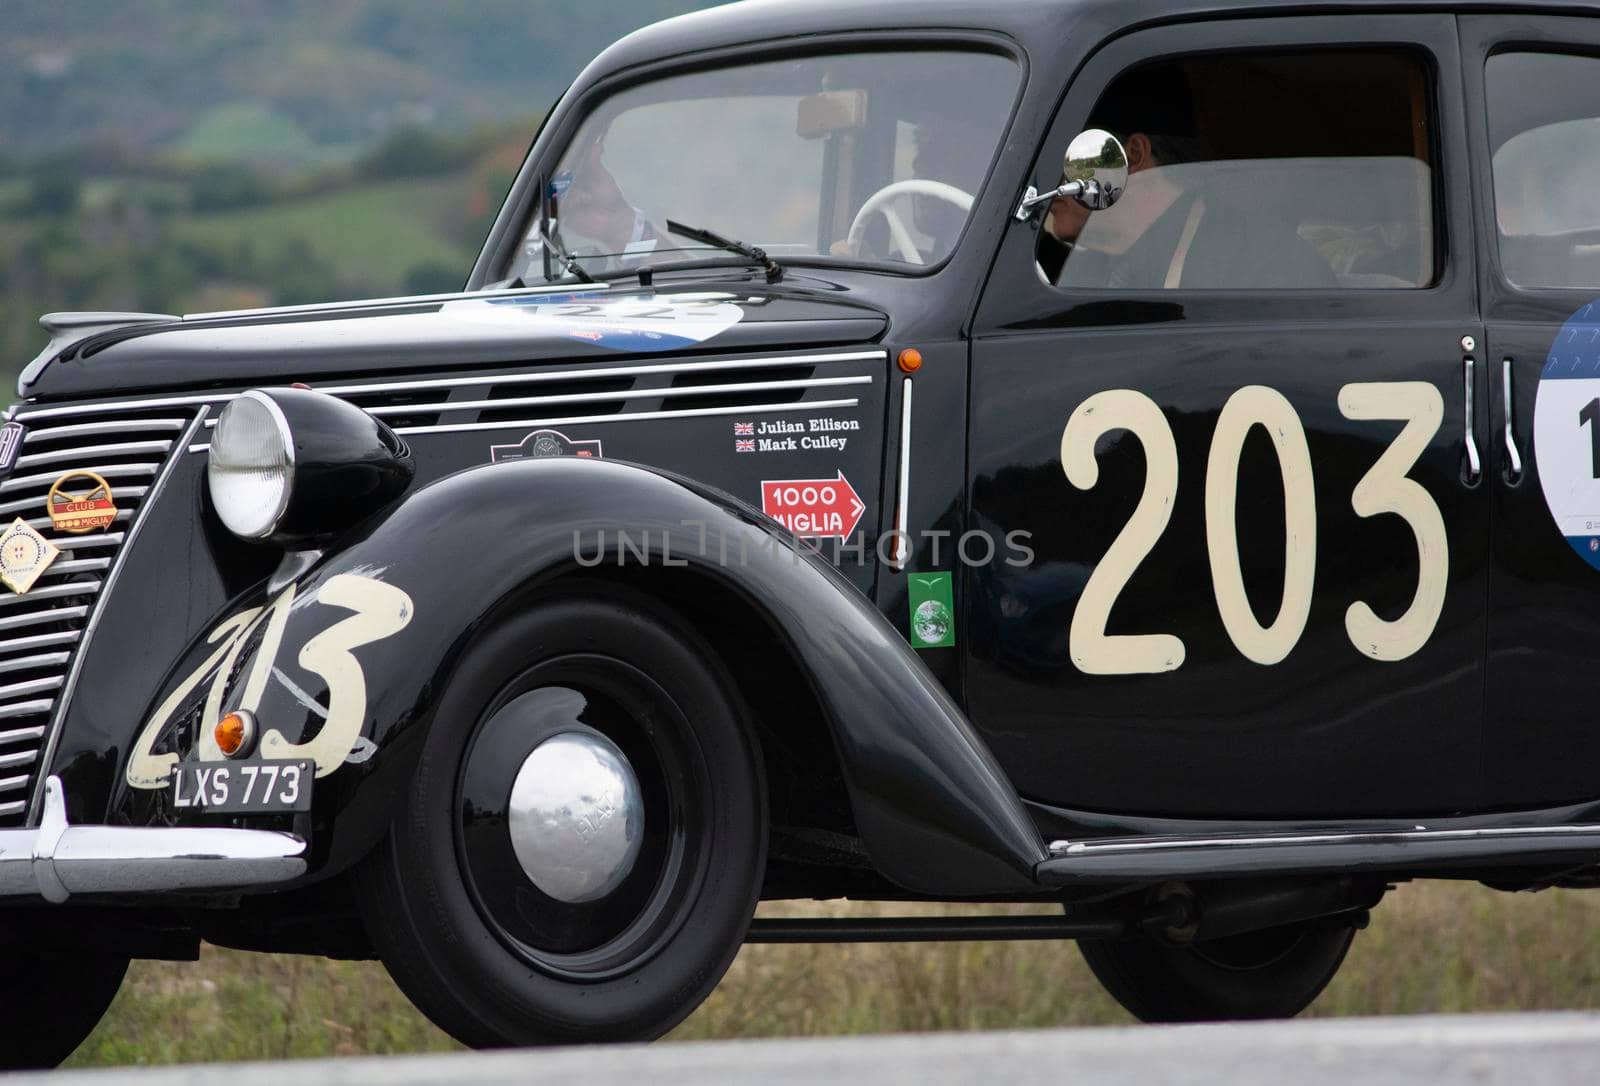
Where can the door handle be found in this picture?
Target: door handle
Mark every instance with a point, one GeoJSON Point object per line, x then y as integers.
{"type": "Point", "coordinates": [1513, 458]}
{"type": "Point", "coordinates": [1474, 464]}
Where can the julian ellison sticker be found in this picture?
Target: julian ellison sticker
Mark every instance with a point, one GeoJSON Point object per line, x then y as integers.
{"type": "Point", "coordinates": [933, 612]}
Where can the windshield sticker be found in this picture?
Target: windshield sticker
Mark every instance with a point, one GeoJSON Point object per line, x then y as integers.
{"type": "Point", "coordinates": [813, 508]}
{"type": "Point", "coordinates": [543, 443]}
{"type": "Point", "coordinates": [628, 323]}
{"type": "Point", "coordinates": [1566, 432]}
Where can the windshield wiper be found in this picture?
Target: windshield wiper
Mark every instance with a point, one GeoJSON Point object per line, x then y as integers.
{"type": "Point", "coordinates": [568, 262]}
{"type": "Point", "coordinates": [773, 269]}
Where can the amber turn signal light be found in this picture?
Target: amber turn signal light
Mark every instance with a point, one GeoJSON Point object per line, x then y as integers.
{"type": "Point", "coordinates": [234, 733]}
{"type": "Point", "coordinates": [910, 360]}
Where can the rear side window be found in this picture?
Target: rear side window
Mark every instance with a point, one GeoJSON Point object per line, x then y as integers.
{"type": "Point", "coordinates": [1544, 131]}
{"type": "Point", "coordinates": [1262, 171]}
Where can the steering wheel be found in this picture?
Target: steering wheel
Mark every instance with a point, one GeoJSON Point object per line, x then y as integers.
{"type": "Point", "coordinates": [880, 202]}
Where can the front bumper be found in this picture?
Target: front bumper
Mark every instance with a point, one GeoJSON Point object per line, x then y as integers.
{"type": "Point", "coordinates": [56, 860]}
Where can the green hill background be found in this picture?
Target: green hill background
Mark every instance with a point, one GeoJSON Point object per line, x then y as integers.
{"type": "Point", "coordinates": [178, 156]}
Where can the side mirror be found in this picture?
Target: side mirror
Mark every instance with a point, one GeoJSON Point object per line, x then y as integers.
{"type": "Point", "coordinates": [1094, 173]}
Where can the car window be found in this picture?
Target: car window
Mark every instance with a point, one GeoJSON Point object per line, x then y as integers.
{"type": "Point", "coordinates": [1544, 131]}
{"type": "Point", "coordinates": [1260, 171]}
{"type": "Point", "coordinates": [870, 156]}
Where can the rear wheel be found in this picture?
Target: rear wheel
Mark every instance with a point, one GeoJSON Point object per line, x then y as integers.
{"type": "Point", "coordinates": [582, 848]}
{"type": "Point", "coordinates": [53, 1002]}
{"type": "Point", "coordinates": [1274, 973]}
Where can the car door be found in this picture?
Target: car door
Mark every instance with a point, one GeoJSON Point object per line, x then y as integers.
{"type": "Point", "coordinates": [1533, 85]}
{"type": "Point", "coordinates": [1249, 481]}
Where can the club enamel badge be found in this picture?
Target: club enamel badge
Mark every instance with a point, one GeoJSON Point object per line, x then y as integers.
{"type": "Point", "coordinates": [24, 556]}
{"type": "Point", "coordinates": [80, 501]}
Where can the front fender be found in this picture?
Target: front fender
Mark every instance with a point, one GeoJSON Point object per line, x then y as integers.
{"type": "Point", "coordinates": [404, 598]}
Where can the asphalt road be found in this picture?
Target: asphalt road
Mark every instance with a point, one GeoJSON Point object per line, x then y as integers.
{"type": "Point", "coordinates": [1435, 1051]}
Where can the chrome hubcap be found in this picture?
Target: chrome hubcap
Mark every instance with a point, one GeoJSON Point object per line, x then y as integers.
{"type": "Point", "coordinates": [576, 817]}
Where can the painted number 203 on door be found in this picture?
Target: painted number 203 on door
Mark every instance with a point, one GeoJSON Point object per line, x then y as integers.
{"type": "Point", "coordinates": [1385, 488]}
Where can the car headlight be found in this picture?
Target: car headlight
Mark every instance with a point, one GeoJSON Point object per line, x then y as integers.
{"type": "Point", "coordinates": [292, 466]}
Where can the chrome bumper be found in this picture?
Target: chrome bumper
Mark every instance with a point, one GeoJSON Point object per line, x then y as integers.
{"type": "Point", "coordinates": [56, 860]}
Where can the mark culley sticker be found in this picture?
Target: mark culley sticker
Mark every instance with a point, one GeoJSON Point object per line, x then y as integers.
{"type": "Point", "coordinates": [80, 501]}
{"type": "Point", "coordinates": [814, 508]}
{"type": "Point", "coordinates": [11, 435]}
{"type": "Point", "coordinates": [24, 556]}
{"type": "Point", "coordinates": [629, 322]}
{"type": "Point", "coordinates": [933, 612]}
{"type": "Point", "coordinates": [542, 443]}
{"type": "Point", "coordinates": [1566, 432]}
{"type": "Point", "coordinates": [793, 435]}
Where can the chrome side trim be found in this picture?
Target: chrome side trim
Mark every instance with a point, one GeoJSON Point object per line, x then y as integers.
{"type": "Point", "coordinates": [108, 471]}
{"type": "Point", "coordinates": [64, 700]}
{"type": "Point", "coordinates": [632, 416]}
{"type": "Point", "coordinates": [902, 504]}
{"type": "Point", "coordinates": [17, 735]}
{"type": "Point", "coordinates": [56, 860]}
{"type": "Point", "coordinates": [445, 407]}
{"type": "Point", "coordinates": [1125, 846]}
{"type": "Point", "coordinates": [594, 372]}
{"type": "Point", "coordinates": [410, 299]}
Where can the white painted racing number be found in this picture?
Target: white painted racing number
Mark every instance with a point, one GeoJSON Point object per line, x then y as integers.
{"type": "Point", "coordinates": [1384, 489]}
{"type": "Point", "coordinates": [379, 610]}
{"type": "Point", "coordinates": [1092, 650]}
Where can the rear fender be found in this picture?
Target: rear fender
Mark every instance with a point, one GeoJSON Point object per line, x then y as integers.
{"type": "Point", "coordinates": [347, 664]}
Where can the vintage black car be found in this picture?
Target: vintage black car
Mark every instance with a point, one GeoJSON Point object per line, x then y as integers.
{"type": "Point", "coordinates": [815, 493]}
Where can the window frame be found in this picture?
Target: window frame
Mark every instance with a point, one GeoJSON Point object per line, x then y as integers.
{"type": "Point", "coordinates": [1484, 36]}
{"type": "Point", "coordinates": [1018, 298]}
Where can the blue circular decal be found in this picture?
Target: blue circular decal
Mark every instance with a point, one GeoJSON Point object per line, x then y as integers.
{"type": "Point", "coordinates": [1566, 432]}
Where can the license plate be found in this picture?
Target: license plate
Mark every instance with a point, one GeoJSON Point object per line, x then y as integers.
{"type": "Point", "coordinates": [248, 787]}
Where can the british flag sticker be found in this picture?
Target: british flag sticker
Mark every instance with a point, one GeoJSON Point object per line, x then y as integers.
{"type": "Point", "coordinates": [744, 446]}
{"type": "Point", "coordinates": [744, 429]}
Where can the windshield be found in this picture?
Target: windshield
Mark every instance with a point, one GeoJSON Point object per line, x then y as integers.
{"type": "Point", "coordinates": [862, 156]}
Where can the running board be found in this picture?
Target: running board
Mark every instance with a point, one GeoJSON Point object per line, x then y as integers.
{"type": "Point", "coordinates": [1145, 859]}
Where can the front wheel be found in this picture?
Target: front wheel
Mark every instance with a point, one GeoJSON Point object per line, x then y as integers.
{"type": "Point", "coordinates": [582, 848]}
{"type": "Point", "coordinates": [1274, 973]}
{"type": "Point", "coordinates": [52, 1004]}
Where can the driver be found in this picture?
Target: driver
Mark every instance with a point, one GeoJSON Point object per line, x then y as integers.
{"type": "Point", "coordinates": [943, 153]}
{"type": "Point", "coordinates": [1167, 231]}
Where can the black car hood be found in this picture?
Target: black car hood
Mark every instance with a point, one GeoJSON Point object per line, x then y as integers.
{"type": "Point", "coordinates": [390, 337]}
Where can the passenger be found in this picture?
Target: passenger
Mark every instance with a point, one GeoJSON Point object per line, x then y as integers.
{"type": "Point", "coordinates": [596, 221]}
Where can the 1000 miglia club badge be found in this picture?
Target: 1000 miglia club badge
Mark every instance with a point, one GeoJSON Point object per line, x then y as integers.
{"type": "Point", "coordinates": [80, 501]}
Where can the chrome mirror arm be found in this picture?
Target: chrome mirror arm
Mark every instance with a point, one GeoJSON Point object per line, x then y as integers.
{"type": "Point", "coordinates": [1076, 190]}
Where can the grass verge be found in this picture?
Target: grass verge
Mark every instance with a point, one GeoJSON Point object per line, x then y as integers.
{"type": "Point", "coordinates": [1433, 947]}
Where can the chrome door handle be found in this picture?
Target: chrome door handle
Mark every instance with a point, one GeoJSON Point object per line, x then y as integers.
{"type": "Point", "coordinates": [1474, 464]}
{"type": "Point", "coordinates": [1513, 458]}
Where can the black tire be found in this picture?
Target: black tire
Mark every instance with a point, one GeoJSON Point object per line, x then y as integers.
{"type": "Point", "coordinates": [53, 1003]}
{"type": "Point", "coordinates": [474, 943]}
{"type": "Point", "coordinates": [1274, 973]}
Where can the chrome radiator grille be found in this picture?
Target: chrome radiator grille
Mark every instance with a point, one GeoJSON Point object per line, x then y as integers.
{"type": "Point", "coordinates": [40, 631]}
